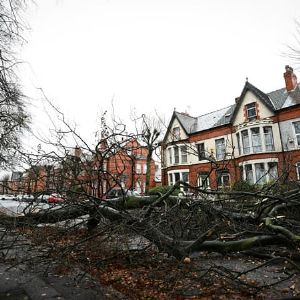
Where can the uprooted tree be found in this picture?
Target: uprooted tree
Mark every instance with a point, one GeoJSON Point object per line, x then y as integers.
{"type": "Point", "coordinates": [220, 221]}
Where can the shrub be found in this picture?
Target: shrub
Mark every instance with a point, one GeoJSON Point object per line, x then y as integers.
{"type": "Point", "coordinates": [244, 186]}
{"type": "Point", "coordinates": [163, 190]}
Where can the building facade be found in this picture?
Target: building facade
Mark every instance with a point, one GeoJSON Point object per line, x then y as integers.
{"type": "Point", "coordinates": [257, 139]}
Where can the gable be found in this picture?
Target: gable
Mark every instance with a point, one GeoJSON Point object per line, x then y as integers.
{"type": "Point", "coordinates": [174, 127]}
{"type": "Point", "coordinates": [260, 101]}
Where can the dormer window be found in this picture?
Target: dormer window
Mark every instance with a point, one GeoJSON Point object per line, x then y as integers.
{"type": "Point", "coordinates": [251, 111]}
{"type": "Point", "coordinates": [176, 133]}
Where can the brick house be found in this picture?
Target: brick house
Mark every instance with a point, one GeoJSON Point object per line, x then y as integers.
{"type": "Point", "coordinates": [256, 139]}
{"type": "Point", "coordinates": [127, 167]}
{"type": "Point", "coordinates": [111, 167]}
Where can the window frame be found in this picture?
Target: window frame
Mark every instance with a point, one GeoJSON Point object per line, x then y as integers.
{"type": "Point", "coordinates": [176, 133]}
{"type": "Point", "coordinates": [183, 154]}
{"type": "Point", "coordinates": [201, 152]}
{"type": "Point", "coordinates": [220, 149]}
{"type": "Point", "coordinates": [297, 134]}
{"type": "Point", "coordinates": [249, 108]}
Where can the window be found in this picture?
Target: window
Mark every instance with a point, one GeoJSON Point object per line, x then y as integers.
{"type": "Point", "coordinates": [239, 143]}
{"type": "Point", "coordinates": [203, 180]}
{"type": "Point", "coordinates": [201, 151]}
{"type": "Point", "coordinates": [220, 148]}
{"type": "Point", "coordinates": [145, 169]}
{"type": "Point", "coordinates": [223, 178]}
{"type": "Point", "coordinates": [176, 155]}
{"type": "Point", "coordinates": [268, 134]}
{"type": "Point", "coordinates": [138, 186]}
{"type": "Point", "coordinates": [260, 173]}
{"type": "Point", "coordinates": [170, 156]}
{"type": "Point", "coordinates": [251, 111]}
{"type": "Point", "coordinates": [170, 179]}
{"type": "Point", "coordinates": [138, 168]}
{"type": "Point", "coordinates": [297, 131]}
{"type": "Point", "coordinates": [298, 170]}
{"type": "Point", "coordinates": [256, 140]}
{"type": "Point", "coordinates": [245, 142]}
{"type": "Point", "coordinates": [185, 178]}
{"type": "Point", "coordinates": [249, 174]}
{"type": "Point", "coordinates": [176, 177]}
{"type": "Point", "coordinates": [176, 133]}
{"type": "Point", "coordinates": [273, 170]}
{"type": "Point", "coordinates": [183, 150]}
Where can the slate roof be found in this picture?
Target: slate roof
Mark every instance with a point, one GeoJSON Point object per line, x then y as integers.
{"type": "Point", "coordinates": [282, 99]}
{"type": "Point", "coordinates": [275, 100]}
{"type": "Point", "coordinates": [210, 120]}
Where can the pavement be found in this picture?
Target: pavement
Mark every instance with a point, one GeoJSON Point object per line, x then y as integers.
{"type": "Point", "coordinates": [20, 282]}
{"type": "Point", "coordinates": [24, 276]}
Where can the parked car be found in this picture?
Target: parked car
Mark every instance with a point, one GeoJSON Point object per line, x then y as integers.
{"type": "Point", "coordinates": [7, 197]}
{"type": "Point", "coordinates": [55, 198]}
{"type": "Point", "coordinates": [118, 192]}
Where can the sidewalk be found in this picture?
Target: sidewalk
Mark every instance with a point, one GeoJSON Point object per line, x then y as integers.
{"type": "Point", "coordinates": [20, 283]}
{"type": "Point", "coordinates": [33, 279]}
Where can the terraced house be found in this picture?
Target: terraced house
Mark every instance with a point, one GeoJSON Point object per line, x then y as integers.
{"type": "Point", "coordinates": [256, 139]}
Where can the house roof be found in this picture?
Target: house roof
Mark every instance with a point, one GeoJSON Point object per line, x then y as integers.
{"type": "Point", "coordinates": [207, 121]}
{"type": "Point", "coordinates": [282, 99]}
{"type": "Point", "coordinates": [275, 101]}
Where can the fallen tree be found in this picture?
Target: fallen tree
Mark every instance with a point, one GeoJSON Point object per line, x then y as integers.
{"type": "Point", "coordinates": [181, 226]}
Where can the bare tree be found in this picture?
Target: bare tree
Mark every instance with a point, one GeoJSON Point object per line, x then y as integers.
{"type": "Point", "coordinates": [13, 116]}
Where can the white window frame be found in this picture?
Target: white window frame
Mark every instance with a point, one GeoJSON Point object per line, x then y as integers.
{"type": "Point", "coordinates": [266, 162]}
{"type": "Point", "coordinates": [263, 147]}
{"type": "Point", "coordinates": [297, 135]}
{"type": "Point", "coordinates": [183, 154]}
{"type": "Point", "coordinates": [248, 109]}
{"type": "Point", "coordinates": [201, 152]}
{"type": "Point", "coordinates": [145, 168]}
{"type": "Point", "coordinates": [172, 175]}
{"type": "Point", "coordinates": [176, 133]}
{"type": "Point", "coordinates": [298, 170]}
{"type": "Point", "coordinates": [202, 182]}
{"type": "Point", "coordinates": [138, 168]}
{"type": "Point", "coordinates": [220, 149]}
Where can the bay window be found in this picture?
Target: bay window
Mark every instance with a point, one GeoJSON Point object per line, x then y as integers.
{"type": "Point", "coordinates": [260, 172]}
{"type": "Point", "coordinates": [255, 140]}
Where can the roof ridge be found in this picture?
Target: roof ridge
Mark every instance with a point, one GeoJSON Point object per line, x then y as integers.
{"type": "Point", "coordinates": [215, 111]}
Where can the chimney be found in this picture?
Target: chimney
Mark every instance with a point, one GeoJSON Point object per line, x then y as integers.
{"type": "Point", "coordinates": [77, 151]}
{"type": "Point", "coordinates": [290, 78]}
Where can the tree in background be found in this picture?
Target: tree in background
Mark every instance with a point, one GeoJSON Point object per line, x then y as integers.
{"type": "Point", "coordinates": [13, 116]}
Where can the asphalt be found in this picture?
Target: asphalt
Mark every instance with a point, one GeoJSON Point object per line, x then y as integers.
{"type": "Point", "coordinates": [19, 282]}
{"type": "Point", "coordinates": [23, 276]}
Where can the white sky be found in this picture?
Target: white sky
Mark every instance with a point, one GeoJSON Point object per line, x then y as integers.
{"type": "Point", "coordinates": [193, 55]}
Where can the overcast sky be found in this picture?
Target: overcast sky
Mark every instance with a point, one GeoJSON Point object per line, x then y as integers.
{"type": "Point", "coordinates": [192, 55]}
